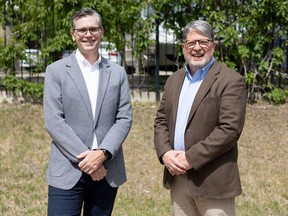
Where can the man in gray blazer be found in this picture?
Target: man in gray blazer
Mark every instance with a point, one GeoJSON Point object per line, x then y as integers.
{"type": "Point", "coordinates": [87, 111]}
{"type": "Point", "coordinates": [197, 126]}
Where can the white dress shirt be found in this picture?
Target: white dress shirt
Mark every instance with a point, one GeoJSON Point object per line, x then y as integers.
{"type": "Point", "coordinates": [91, 77]}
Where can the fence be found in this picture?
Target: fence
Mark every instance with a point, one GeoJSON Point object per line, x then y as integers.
{"type": "Point", "coordinates": [147, 72]}
{"type": "Point", "coordinates": [143, 81]}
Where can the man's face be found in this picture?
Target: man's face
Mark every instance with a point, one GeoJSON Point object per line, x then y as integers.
{"type": "Point", "coordinates": [87, 34]}
{"type": "Point", "coordinates": [198, 50]}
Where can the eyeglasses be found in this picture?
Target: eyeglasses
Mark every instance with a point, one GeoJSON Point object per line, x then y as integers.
{"type": "Point", "coordinates": [83, 31]}
{"type": "Point", "coordinates": [202, 43]}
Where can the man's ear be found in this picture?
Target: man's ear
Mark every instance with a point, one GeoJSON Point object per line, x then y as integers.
{"type": "Point", "coordinates": [72, 35]}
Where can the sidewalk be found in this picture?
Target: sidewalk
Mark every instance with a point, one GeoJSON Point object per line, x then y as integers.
{"type": "Point", "coordinates": [136, 95]}
{"type": "Point", "coordinates": [7, 97]}
{"type": "Point", "coordinates": [143, 96]}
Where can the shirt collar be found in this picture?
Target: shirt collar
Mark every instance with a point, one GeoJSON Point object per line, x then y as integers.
{"type": "Point", "coordinates": [80, 58]}
{"type": "Point", "coordinates": [201, 73]}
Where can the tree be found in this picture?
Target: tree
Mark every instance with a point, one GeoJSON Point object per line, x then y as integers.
{"type": "Point", "coordinates": [251, 35]}
{"type": "Point", "coordinates": [46, 25]}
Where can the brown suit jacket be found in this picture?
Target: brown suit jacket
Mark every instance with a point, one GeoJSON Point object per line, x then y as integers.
{"type": "Point", "coordinates": [214, 126]}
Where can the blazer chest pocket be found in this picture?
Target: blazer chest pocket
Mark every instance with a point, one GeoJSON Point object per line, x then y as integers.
{"type": "Point", "coordinates": [212, 103]}
{"type": "Point", "coordinates": [208, 110]}
{"type": "Point", "coordinates": [112, 94]}
{"type": "Point", "coordinates": [112, 88]}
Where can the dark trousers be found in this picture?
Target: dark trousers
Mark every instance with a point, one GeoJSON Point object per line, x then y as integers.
{"type": "Point", "coordinates": [97, 198]}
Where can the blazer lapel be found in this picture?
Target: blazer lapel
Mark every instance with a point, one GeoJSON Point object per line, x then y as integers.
{"type": "Point", "coordinates": [204, 88]}
{"type": "Point", "coordinates": [104, 70]}
{"type": "Point", "coordinates": [177, 85]}
{"type": "Point", "coordinates": [74, 71]}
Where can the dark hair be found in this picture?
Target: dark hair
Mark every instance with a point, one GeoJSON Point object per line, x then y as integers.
{"type": "Point", "coordinates": [87, 11]}
{"type": "Point", "coordinates": [200, 26]}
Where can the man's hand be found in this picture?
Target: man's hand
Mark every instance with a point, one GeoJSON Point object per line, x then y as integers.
{"type": "Point", "coordinates": [174, 166]}
{"type": "Point", "coordinates": [91, 161]}
{"type": "Point", "coordinates": [183, 160]}
{"type": "Point", "coordinates": [99, 174]}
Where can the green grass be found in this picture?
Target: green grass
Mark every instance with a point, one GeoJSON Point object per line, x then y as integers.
{"type": "Point", "coordinates": [24, 151]}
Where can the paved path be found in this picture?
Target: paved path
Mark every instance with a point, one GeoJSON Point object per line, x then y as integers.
{"type": "Point", "coordinates": [143, 96]}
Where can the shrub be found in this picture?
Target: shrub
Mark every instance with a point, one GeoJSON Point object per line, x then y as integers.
{"type": "Point", "coordinates": [277, 96]}
{"type": "Point", "coordinates": [31, 92]}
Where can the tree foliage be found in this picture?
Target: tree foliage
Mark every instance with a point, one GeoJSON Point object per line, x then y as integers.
{"type": "Point", "coordinates": [251, 35]}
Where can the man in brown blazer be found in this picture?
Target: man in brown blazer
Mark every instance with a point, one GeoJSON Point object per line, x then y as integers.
{"type": "Point", "coordinates": [198, 124]}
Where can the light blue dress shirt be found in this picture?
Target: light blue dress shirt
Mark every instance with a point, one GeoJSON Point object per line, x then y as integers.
{"type": "Point", "coordinates": [187, 95]}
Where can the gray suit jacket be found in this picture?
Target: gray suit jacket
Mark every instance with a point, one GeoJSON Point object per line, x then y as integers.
{"type": "Point", "coordinates": [69, 119]}
{"type": "Point", "coordinates": [214, 126]}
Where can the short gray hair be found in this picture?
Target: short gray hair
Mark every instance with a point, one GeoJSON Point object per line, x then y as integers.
{"type": "Point", "coordinates": [200, 26]}
{"type": "Point", "coordinates": [87, 11]}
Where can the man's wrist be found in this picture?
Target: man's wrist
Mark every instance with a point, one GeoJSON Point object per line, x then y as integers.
{"type": "Point", "coordinates": [107, 154]}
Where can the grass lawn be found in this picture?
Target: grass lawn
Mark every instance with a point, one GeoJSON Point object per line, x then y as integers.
{"type": "Point", "coordinates": [24, 151]}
